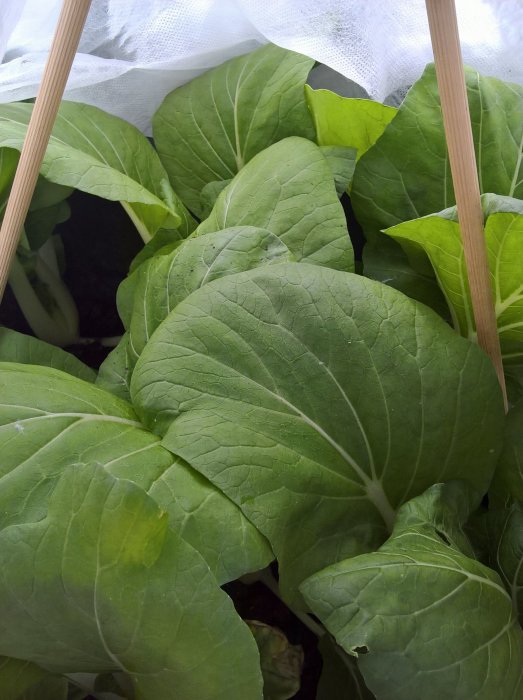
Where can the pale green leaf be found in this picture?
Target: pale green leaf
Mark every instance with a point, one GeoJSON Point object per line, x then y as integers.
{"type": "Point", "coordinates": [18, 347]}
{"type": "Point", "coordinates": [424, 618]}
{"type": "Point", "coordinates": [347, 121]}
{"type": "Point", "coordinates": [289, 190]}
{"type": "Point", "coordinates": [103, 583]}
{"type": "Point", "coordinates": [318, 401]}
{"type": "Point", "coordinates": [208, 129]}
{"type": "Point", "coordinates": [50, 420]}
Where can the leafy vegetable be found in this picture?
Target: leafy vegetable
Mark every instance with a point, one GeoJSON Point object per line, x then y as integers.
{"type": "Point", "coordinates": [288, 189]}
{"type": "Point", "coordinates": [139, 598]}
{"type": "Point", "coordinates": [431, 640]}
{"type": "Point", "coordinates": [282, 405]}
{"type": "Point", "coordinates": [209, 129]}
{"type": "Point", "coordinates": [318, 401]}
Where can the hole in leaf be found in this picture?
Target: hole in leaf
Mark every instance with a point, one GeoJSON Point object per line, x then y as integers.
{"type": "Point", "coordinates": [361, 650]}
{"type": "Point", "coordinates": [443, 537]}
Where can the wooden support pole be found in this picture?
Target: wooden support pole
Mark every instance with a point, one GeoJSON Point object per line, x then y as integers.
{"type": "Point", "coordinates": [65, 43]}
{"type": "Point", "coordinates": [458, 131]}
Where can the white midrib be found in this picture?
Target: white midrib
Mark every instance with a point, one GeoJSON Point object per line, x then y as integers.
{"type": "Point", "coordinates": [374, 487]}
{"type": "Point", "coordinates": [85, 417]}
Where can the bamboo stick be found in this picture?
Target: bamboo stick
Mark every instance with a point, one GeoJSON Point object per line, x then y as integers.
{"type": "Point", "coordinates": [63, 49]}
{"type": "Point", "coordinates": [458, 131]}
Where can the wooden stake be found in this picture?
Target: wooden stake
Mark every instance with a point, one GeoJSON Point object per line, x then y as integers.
{"type": "Point", "coordinates": [458, 131]}
{"type": "Point", "coordinates": [65, 43]}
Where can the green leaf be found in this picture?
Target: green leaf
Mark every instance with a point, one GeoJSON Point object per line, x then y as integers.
{"type": "Point", "coordinates": [18, 678]}
{"type": "Point", "coordinates": [164, 281]}
{"type": "Point", "coordinates": [99, 153]}
{"type": "Point", "coordinates": [50, 420]}
{"type": "Point", "coordinates": [115, 371]}
{"type": "Point", "coordinates": [340, 677]}
{"type": "Point", "coordinates": [440, 238]}
{"type": "Point", "coordinates": [384, 261]}
{"type": "Point", "coordinates": [346, 121]}
{"type": "Point", "coordinates": [507, 485]}
{"type": "Point", "coordinates": [103, 583]}
{"type": "Point", "coordinates": [8, 162]}
{"type": "Point", "coordinates": [342, 162]}
{"type": "Point", "coordinates": [505, 530]}
{"type": "Point", "coordinates": [209, 195]}
{"type": "Point", "coordinates": [424, 618]}
{"type": "Point", "coordinates": [288, 189]}
{"type": "Point", "coordinates": [281, 663]}
{"type": "Point", "coordinates": [208, 129]}
{"type": "Point", "coordinates": [162, 243]}
{"type": "Point", "coordinates": [406, 174]}
{"type": "Point", "coordinates": [18, 347]}
{"type": "Point", "coordinates": [318, 401]}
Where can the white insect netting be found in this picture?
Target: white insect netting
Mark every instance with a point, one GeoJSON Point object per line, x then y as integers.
{"type": "Point", "coordinates": [133, 53]}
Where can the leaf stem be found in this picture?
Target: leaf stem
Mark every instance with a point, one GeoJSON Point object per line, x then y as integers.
{"type": "Point", "coordinates": [59, 328]}
{"type": "Point", "coordinates": [140, 226]}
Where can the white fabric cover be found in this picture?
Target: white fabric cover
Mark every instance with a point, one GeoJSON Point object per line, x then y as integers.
{"type": "Point", "coordinates": [133, 52]}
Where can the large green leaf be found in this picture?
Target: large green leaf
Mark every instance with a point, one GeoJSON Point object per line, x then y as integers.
{"type": "Point", "coordinates": [50, 420]}
{"type": "Point", "coordinates": [318, 401]}
{"type": "Point", "coordinates": [18, 347]}
{"type": "Point", "coordinates": [406, 174]}
{"type": "Point", "coordinates": [440, 238]}
{"type": "Point", "coordinates": [103, 583]}
{"type": "Point", "coordinates": [208, 129]}
{"type": "Point", "coordinates": [289, 190]}
{"type": "Point", "coordinates": [162, 282]}
{"type": "Point", "coordinates": [99, 153]}
{"type": "Point", "coordinates": [346, 121]}
{"type": "Point", "coordinates": [425, 619]}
